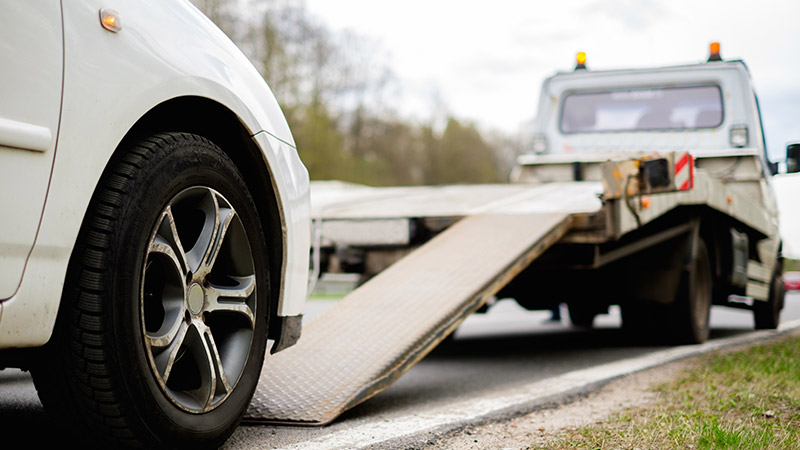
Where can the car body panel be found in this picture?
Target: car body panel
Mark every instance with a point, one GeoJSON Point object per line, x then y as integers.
{"type": "Point", "coordinates": [297, 231]}
{"type": "Point", "coordinates": [166, 49]}
{"type": "Point", "coordinates": [30, 89]}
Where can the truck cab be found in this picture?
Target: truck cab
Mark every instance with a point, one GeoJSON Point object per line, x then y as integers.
{"type": "Point", "coordinates": [705, 107]}
{"type": "Point", "coordinates": [710, 109]}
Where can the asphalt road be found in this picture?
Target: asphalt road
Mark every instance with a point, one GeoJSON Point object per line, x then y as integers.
{"type": "Point", "coordinates": [498, 351]}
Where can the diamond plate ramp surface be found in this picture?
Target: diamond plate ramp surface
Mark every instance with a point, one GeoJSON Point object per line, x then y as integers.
{"type": "Point", "coordinates": [370, 338]}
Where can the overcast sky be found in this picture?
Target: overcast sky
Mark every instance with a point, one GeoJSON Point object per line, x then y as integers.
{"type": "Point", "coordinates": [485, 60]}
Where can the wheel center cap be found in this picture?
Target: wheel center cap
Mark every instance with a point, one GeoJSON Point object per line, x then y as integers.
{"type": "Point", "coordinates": [197, 298]}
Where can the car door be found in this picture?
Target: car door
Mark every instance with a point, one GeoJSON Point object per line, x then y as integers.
{"type": "Point", "coordinates": [31, 62]}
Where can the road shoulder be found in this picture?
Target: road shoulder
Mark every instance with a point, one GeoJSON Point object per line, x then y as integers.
{"type": "Point", "coordinates": [541, 427]}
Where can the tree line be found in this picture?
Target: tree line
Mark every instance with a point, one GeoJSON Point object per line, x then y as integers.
{"type": "Point", "coordinates": [333, 88]}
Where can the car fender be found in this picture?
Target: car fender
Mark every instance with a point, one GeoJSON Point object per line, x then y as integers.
{"type": "Point", "coordinates": [166, 49]}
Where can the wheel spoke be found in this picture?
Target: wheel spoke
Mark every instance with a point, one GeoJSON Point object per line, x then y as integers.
{"type": "Point", "coordinates": [193, 377]}
{"type": "Point", "coordinates": [232, 299]}
{"type": "Point", "coordinates": [210, 209]}
{"type": "Point", "coordinates": [225, 217]}
{"type": "Point", "coordinates": [219, 382]}
{"type": "Point", "coordinates": [166, 348]}
{"type": "Point", "coordinates": [165, 338]}
{"type": "Point", "coordinates": [163, 288]}
{"type": "Point", "coordinates": [168, 242]}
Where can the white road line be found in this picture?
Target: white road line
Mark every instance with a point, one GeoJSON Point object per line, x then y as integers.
{"type": "Point", "coordinates": [456, 413]}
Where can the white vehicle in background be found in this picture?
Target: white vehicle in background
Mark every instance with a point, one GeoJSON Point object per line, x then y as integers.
{"type": "Point", "coordinates": [156, 221]}
{"type": "Point", "coordinates": [708, 116]}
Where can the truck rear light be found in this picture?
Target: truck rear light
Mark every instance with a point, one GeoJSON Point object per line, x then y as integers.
{"type": "Point", "coordinates": [739, 136]}
{"type": "Point", "coordinates": [654, 174]}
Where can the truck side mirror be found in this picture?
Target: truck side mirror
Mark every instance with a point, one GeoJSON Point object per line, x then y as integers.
{"type": "Point", "coordinates": [773, 167]}
{"type": "Point", "coordinates": [793, 158]}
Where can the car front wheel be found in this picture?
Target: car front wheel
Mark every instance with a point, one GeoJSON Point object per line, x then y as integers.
{"type": "Point", "coordinates": [162, 327]}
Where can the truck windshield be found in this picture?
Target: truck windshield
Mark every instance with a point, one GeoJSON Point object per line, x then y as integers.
{"type": "Point", "coordinates": [649, 109]}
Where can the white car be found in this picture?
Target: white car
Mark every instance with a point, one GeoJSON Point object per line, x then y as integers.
{"type": "Point", "coordinates": [155, 219]}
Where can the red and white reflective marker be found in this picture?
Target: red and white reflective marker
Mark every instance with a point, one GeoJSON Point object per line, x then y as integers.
{"type": "Point", "coordinates": [684, 172]}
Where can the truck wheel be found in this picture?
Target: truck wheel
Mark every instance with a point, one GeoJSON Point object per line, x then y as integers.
{"type": "Point", "coordinates": [582, 317]}
{"type": "Point", "coordinates": [767, 314]}
{"type": "Point", "coordinates": [692, 306]}
{"type": "Point", "coordinates": [162, 327]}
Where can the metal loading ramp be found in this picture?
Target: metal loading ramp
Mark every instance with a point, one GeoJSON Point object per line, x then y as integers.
{"type": "Point", "coordinates": [370, 338]}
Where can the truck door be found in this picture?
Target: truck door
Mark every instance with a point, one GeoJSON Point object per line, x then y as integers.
{"type": "Point", "coordinates": [31, 62]}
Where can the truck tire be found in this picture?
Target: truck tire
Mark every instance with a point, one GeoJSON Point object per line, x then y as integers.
{"type": "Point", "coordinates": [766, 314]}
{"type": "Point", "coordinates": [691, 309]}
{"type": "Point", "coordinates": [162, 327]}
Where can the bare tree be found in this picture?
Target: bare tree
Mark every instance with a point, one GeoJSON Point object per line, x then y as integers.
{"type": "Point", "coordinates": [332, 87]}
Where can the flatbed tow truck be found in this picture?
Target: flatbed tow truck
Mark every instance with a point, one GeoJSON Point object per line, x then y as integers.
{"type": "Point", "coordinates": [648, 189]}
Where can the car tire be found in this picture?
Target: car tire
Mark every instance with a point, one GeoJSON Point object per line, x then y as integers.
{"type": "Point", "coordinates": [766, 315]}
{"type": "Point", "coordinates": [162, 327]}
{"type": "Point", "coordinates": [692, 306]}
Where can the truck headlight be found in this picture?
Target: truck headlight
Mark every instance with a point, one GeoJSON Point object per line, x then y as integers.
{"type": "Point", "coordinates": [739, 136]}
{"type": "Point", "coordinates": [539, 144]}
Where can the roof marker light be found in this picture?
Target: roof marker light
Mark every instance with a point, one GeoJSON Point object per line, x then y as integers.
{"type": "Point", "coordinates": [580, 60]}
{"type": "Point", "coordinates": [713, 52]}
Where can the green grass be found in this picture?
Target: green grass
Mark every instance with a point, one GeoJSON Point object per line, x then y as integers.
{"type": "Point", "coordinates": [315, 297]}
{"type": "Point", "coordinates": [748, 399]}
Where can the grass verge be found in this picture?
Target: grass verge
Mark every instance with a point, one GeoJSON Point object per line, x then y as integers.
{"type": "Point", "coordinates": [743, 399]}
{"type": "Point", "coordinates": [325, 297]}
